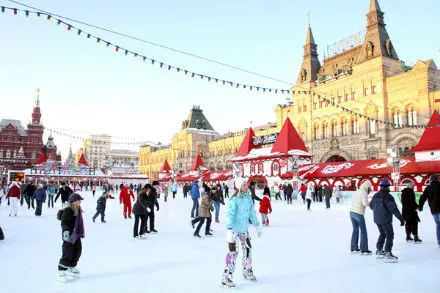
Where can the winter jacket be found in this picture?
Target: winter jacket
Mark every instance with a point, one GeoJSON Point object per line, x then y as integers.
{"type": "Point", "coordinates": [40, 194]}
{"type": "Point", "coordinates": [336, 191]}
{"type": "Point", "coordinates": [29, 190]}
{"type": "Point", "coordinates": [309, 191]}
{"type": "Point", "coordinates": [360, 199]}
{"type": "Point", "coordinates": [152, 200]}
{"type": "Point", "coordinates": [101, 203]}
{"type": "Point", "coordinates": [174, 187]}
{"type": "Point", "coordinates": [265, 206]}
{"type": "Point", "coordinates": [409, 206]}
{"type": "Point", "coordinates": [141, 204]}
{"type": "Point", "coordinates": [68, 219]}
{"type": "Point", "coordinates": [240, 211]}
{"type": "Point", "coordinates": [206, 206]}
{"type": "Point", "coordinates": [432, 194]}
{"type": "Point", "coordinates": [289, 189]}
{"type": "Point", "coordinates": [125, 195]}
{"type": "Point", "coordinates": [65, 192]}
{"type": "Point", "coordinates": [51, 190]}
{"type": "Point", "coordinates": [384, 207]}
{"type": "Point", "coordinates": [14, 191]}
{"type": "Point", "coordinates": [195, 189]}
{"type": "Point", "coordinates": [327, 191]}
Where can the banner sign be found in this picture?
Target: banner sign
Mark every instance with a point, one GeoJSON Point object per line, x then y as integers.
{"type": "Point", "coordinates": [265, 139]}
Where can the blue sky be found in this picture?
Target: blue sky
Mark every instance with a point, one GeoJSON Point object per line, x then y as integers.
{"type": "Point", "coordinates": [88, 88]}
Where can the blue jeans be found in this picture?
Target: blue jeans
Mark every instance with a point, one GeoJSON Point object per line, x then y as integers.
{"type": "Point", "coordinates": [437, 223]}
{"type": "Point", "coordinates": [386, 236]}
{"type": "Point", "coordinates": [358, 222]}
{"type": "Point", "coordinates": [217, 209]}
{"type": "Point", "coordinates": [195, 208]}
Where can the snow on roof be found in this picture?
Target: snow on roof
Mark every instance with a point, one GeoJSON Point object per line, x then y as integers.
{"type": "Point", "coordinates": [15, 123]}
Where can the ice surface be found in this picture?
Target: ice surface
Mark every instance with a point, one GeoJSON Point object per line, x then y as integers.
{"type": "Point", "coordinates": [299, 252]}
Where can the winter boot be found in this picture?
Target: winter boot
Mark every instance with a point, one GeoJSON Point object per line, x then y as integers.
{"type": "Point", "coordinates": [228, 283]}
{"type": "Point", "coordinates": [73, 272]}
{"type": "Point", "coordinates": [366, 252]}
{"type": "Point", "coordinates": [209, 234]}
{"type": "Point", "coordinates": [417, 240]}
{"type": "Point", "coordinates": [390, 258]}
{"type": "Point", "coordinates": [408, 238]}
{"type": "Point", "coordinates": [380, 253]}
{"type": "Point", "coordinates": [62, 276]}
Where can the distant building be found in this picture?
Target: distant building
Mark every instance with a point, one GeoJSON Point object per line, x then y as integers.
{"type": "Point", "coordinates": [97, 150]}
{"type": "Point", "coordinates": [20, 147]}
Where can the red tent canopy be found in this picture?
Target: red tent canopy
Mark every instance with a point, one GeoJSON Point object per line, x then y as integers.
{"type": "Point", "coordinates": [82, 160]}
{"type": "Point", "coordinates": [197, 163]}
{"type": "Point", "coordinates": [167, 177]}
{"type": "Point", "coordinates": [429, 140]}
{"type": "Point", "coordinates": [41, 159]}
{"type": "Point", "coordinates": [379, 167]}
{"type": "Point", "coordinates": [165, 167]}
{"type": "Point", "coordinates": [219, 175]}
{"type": "Point", "coordinates": [186, 177]}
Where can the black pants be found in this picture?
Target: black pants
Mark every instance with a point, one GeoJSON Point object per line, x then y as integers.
{"type": "Point", "coordinates": [289, 198]}
{"type": "Point", "coordinates": [174, 194]}
{"type": "Point", "coordinates": [327, 202]}
{"type": "Point", "coordinates": [39, 208]}
{"type": "Point", "coordinates": [309, 201]}
{"type": "Point", "coordinates": [136, 230]}
{"type": "Point", "coordinates": [29, 201]}
{"type": "Point", "coordinates": [93, 192]}
{"type": "Point", "coordinates": [412, 227]}
{"type": "Point", "coordinates": [50, 200]}
{"type": "Point", "coordinates": [201, 221]}
{"type": "Point", "coordinates": [150, 216]}
{"type": "Point", "coordinates": [386, 236]}
{"type": "Point", "coordinates": [2, 236]}
{"type": "Point", "coordinates": [185, 195]}
{"type": "Point", "coordinates": [71, 255]}
{"type": "Point", "coordinates": [97, 214]}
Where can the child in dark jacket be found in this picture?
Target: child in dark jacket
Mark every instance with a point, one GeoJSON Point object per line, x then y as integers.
{"type": "Point", "coordinates": [100, 207]}
{"type": "Point", "coordinates": [384, 207]}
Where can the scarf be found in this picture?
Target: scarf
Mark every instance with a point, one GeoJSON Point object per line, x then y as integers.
{"type": "Point", "coordinates": [78, 230]}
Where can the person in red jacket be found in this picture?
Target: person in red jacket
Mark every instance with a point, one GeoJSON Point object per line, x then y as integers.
{"type": "Point", "coordinates": [265, 207]}
{"type": "Point", "coordinates": [14, 196]}
{"type": "Point", "coordinates": [125, 198]}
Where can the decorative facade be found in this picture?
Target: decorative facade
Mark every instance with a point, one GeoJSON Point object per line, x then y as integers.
{"type": "Point", "coordinates": [20, 147]}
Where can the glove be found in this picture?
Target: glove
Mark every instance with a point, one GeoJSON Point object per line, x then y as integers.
{"type": "Point", "coordinates": [259, 231]}
{"type": "Point", "coordinates": [66, 236]}
{"type": "Point", "coordinates": [402, 223]}
{"type": "Point", "coordinates": [230, 236]}
{"type": "Point", "coordinates": [148, 210]}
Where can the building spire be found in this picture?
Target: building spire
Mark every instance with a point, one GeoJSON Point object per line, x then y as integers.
{"type": "Point", "coordinates": [37, 100]}
{"type": "Point", "coordinates": [310, 65]}
{"type": "Point", "coordinates": [374, 6]}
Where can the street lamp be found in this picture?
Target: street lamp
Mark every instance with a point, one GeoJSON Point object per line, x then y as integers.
{"type": "Point", "coordinates": [393, 160]}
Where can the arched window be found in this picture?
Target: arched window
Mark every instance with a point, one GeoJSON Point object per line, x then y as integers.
{"type": "Point", "coordinates": [1, 153]}
{"type": "Point", "coordinates": [344, 126]}
{"type": "Point", "coordinates": [14, 154]}
{"type": "Point", "coordinates": [372, 128]}
{"type": "Point", "coordinates": [325, 130]}
{"type": "Point", "coordinates": [316, 132]}
{"type": "Point", "coordinates": [252, 168]}
{"type": "Point", "coordinates": [397, 118]}
{"type": "Point", "coordinates": [411, 116]}
{"type": "Point", "coordinates": [355, 125]}
{"type": "Point", "coordinates": [334, 128]}
{"type": "Point", "coordinates": [260, 168]}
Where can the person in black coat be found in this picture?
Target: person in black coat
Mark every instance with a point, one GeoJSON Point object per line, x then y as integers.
{"type": "Point", "coordinates": [384, 207]}
{"type": "Point", "coordinates": [409, 213]}
{"type": "Point", "coordinates": [29, 194]}
{"type": "Point", "coordinates": [288, 191]}
{"type": "Point", "coordinates": [252, 190]}
{"type": "Point", "coordinates": [65, 192]}
{"type": "Point", "coordinates": [432, 194]}
{"type": "Point", "coordinates": [100, 207]}
{"type": "Point", "coordinates": [140, 209]}
{"type": "Point", "coordinates": [152, 200]}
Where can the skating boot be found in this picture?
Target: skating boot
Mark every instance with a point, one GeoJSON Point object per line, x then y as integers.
{"type": "Point", "coordinates": [73, 272]}
{"type": "Point", "coordinates": [196, 234]}
{"type": "Point", "coordinates": [366, 252]}
{"type": "Point", "coordinates": [250, 277]}
{"type": "Point", "coordinates": [228, 283]}
{"type": "Point", "coordinates": [380, 253]}
{"type": "Point", "coordinates": [355, 251]}
{"type": "Point", "coordinates": [409, 239]}
{"type": "Point", "coordinates": [417, 240]}
{"type": "Point", "coordinates": [209, 234]}
{"type": "Point", "coordinates": [390, 258]}
{"type": "Point", "coordinates": [62, 276]}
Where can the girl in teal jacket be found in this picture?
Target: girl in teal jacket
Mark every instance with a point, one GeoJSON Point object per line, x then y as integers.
{"type": "Point", "coordinates": [240, 211]}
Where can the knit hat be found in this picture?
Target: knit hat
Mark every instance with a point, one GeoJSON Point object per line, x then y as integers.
{"type": "Point", "coordinates": [384, 182]}
{"type": "Point", "coordinates": [74, 197]}
{"type": "Point", "coordinates": [239, 182]}
{"type": "Point", "coordinates": [434, 177]}
{"type": "Point", "coordinates": [155, 183]}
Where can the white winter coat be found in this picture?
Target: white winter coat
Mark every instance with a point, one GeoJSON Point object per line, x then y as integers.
{"type": "Point", "coordinates": [360, 199]}
{"type": "Point", "coordinates": [310, 190]}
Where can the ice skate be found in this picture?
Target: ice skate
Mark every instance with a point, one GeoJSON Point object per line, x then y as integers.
{"type": "Point", "coordinates": [355, 251]}
{"type": "Point", "coordinates": [409, 239]}
{"type": "Point", "coordinates": [250, 277]}
{"type": "Point", "coordinates": [417, 240]}
{"type": "Point", "coordinates": [73, 272]}
{"type": "Point", "coordinates": [390, 258]}
{"type": "Point", "coordinates": [366, 252]}
{"type": "Point", "coordinates": [380, 253]}
{"type": "Point", "coordinates": [62, 276]}
{"type": "Point", "coordinates": [209, 234]}
{"type": "Point", "coordinates": [197, 235]}
{"type": "Point", "coordinates": [228, 283]}
{"type": "Point", "coordinates": [142, 237]}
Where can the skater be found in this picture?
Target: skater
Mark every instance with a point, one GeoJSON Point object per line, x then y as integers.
{"type": "Point", "coordinates": [226, 189]}
{"type": "Point", "coordinates": [327, 191]}
{"type": "Point", "coordinates": [165, 191]}
{"type": "Point", "coordinates": [174, 189]}
{"type": "Point", "coordinates": [336, 190]}
{"type": "Point", "coordinates": [40, 197]}
{"type": "Point", "coordinates": [240, 211]}
{"type": "Point", "coordinates": [65, 192]}
{"type": "Point", "coordinates": [140, 209]}
{"type": "Point", "coordinates": [409, 213]}
{"type": "Point", "coordinates": [100, 207]}
{"type": "Point", "coordinates": [72, 227]}
{"type": "Point", "coordinates": [29, 195]}
{"type": "Point", "coordinates": [125, 197]}
{"type": "Point", "coordinates": [303, 191]}
{"type": "Point", "coordinates": [152, 201]}
{"type": "Point", "coordinates": [309, 194]}
{"type": "Point", "coordinates": [93, 189]}
{"type": "Point", "coordinates": [185, 190]}
{"type": "Point", "coordinates": [252, 191]}
{"type": "Point", "coordinates": [289, 191]}
{"type": "Point", "coordinates": [384, 207]}
{"type": "Point", "coordinates": [195, 195]}
{"type": "Point", "coordinates": [51, 190]}
{"type": "Point", "coordinates": [218, 199]}
{"type": "Point", "coordinates": [13, 196]}
{"type": "Point", "coordinates": [206, 206]}
{"type": "Point", "coordinates": [265, 207]}
{"type": "Point", "coordinates": [432, 194]}
{"type": "Point", "coordinates": [357, 212]}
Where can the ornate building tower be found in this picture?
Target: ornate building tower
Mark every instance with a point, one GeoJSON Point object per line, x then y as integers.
{"type": "Point", "coordinates": [310, 65]}
{"type": "Point", "coordinates": [35, 132]}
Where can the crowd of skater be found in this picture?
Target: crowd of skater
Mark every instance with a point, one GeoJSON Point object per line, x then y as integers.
{"type": "Point", "coordinates": [143, 201]}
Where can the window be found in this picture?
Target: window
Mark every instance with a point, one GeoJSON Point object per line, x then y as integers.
{"type": "Point", "coordinates": [374, 89]}
{"type": "Point", "coordinates": [334, 129]}
{"type": "Point", "coordinates": [397, 119]}
{"type": "Point", "coordinates": [367, 92]}
{"type": "Point", "coordinates": [1, 153]}
{"type": "Point", "coordinates": [8, 154]}
{"type": "Point", "coordinates": [316, 132]}
{"type": "Point", "coordinates": [252, 169]}
{"type": "Point", "coordinates": [347, 97]}
{"type": "Point", "coordinates": [355, 126]}
{"type": "Point", "coordinates": [304, 108]}
{"type": "Point", "coordinates": [372, 128]}
{"type": "Point", "coordinates": [344, 126]}
{"type": "Point", "coordinates": [315, 105]}
{"type": "Point", "coordinates": [333, 100]}
{"type": "Point", "coordinates": [325, 130]}
{"type": "Point", "coordinates": [354, 95]}
{"type": "Point", "coordinates": [15, 154]}
{"type": "Point", "coordinates": [339, 99]}
{"type": "Point", "coordinates": [260, 168]}
{"type": "Point", "coordinates": [276, 167]}
{"type": "Point", "coordinates": [411, 116]}
{"type": "Point", "coordinates": [299, 109]}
